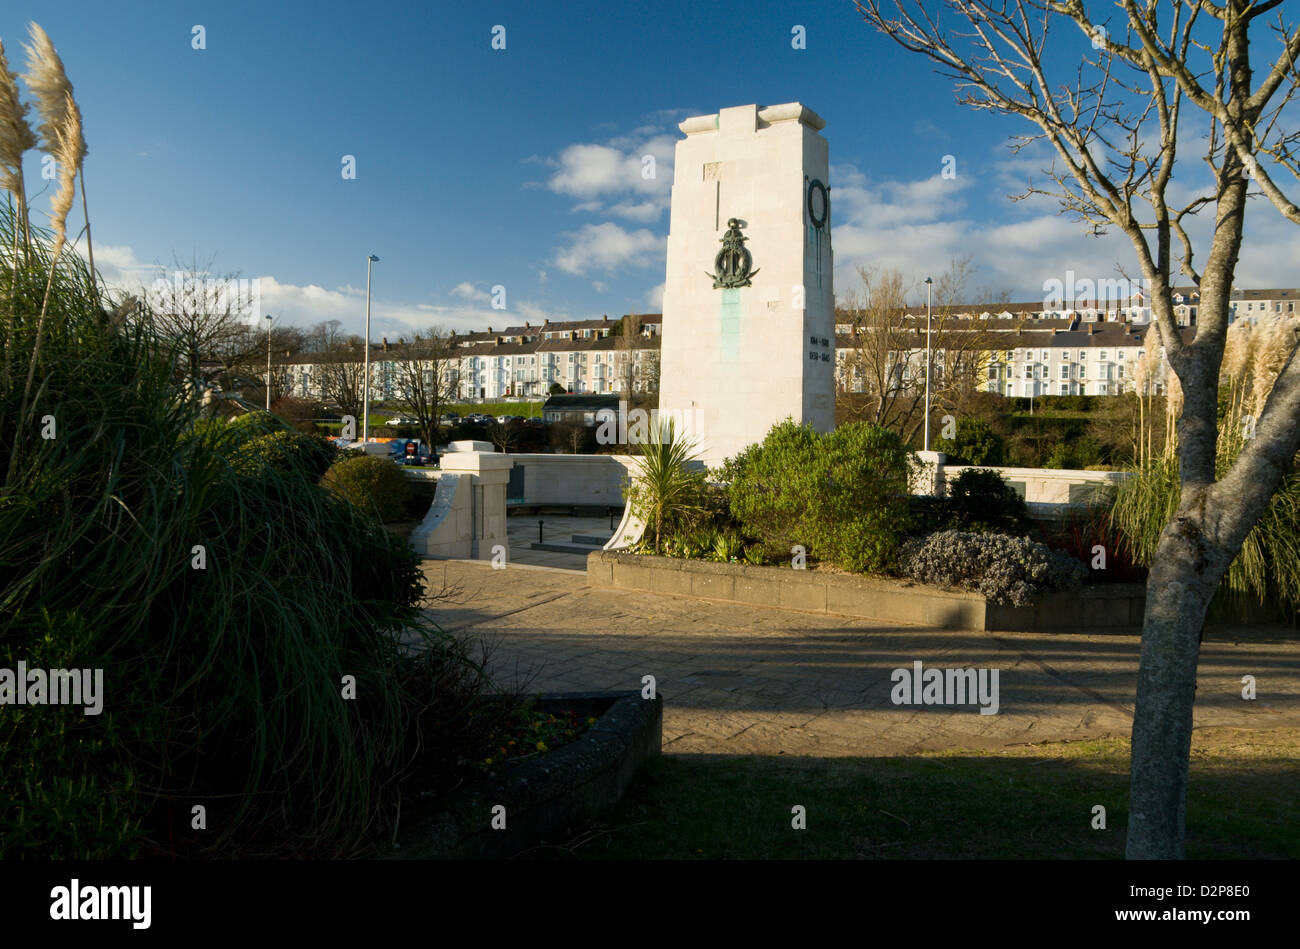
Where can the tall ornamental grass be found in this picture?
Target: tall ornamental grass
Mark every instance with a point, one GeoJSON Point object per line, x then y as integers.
{"type": "Point", "coordinates": [266, 670]}
{"type": "Point", "coordinates": [1267, 570]}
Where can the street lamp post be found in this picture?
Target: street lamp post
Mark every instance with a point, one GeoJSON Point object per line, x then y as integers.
{"type": "Point", "coordinates": [929, 284]}
{"type": "Point", "coordinates": [365, 380]}
{"type": "Point", "coordinates": [268, 362]}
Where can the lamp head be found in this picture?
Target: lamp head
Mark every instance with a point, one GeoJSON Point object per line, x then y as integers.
{"type": "Point", "coordinates": [373, 257]}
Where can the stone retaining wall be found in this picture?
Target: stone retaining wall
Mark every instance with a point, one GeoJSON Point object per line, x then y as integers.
{"type": "Point", "coordinates": [1115, 608]}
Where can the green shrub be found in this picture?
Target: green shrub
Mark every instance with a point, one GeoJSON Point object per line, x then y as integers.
{"type": "Point", "coordinates": [1007, 570]}
{"type": "Point", "coordinates": [861, 511]}
{"type": "Point", "coordinates": [842, 496]}
{"type": "Point", "coordinates": [975, 444]}
{"type": "Point", "coordinates": [1076, 453]}
{"type": "Point", "coordinates": [772, 486]}
{"type": "Point", "coordinates": [287, 451]}
{"type": "Point", "coordinates": [980, 500]}
{"type": "Point", "coordinates": [727, 546]}
{"type": "Point", "coordinates": [374, 485]}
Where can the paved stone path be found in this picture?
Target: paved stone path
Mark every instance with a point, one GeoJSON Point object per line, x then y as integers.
{"type": "Point", "coordinates": [745, 680]}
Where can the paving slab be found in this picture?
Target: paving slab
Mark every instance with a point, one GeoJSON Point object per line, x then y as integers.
{"type": "Point", "coordinates": [759, 680]}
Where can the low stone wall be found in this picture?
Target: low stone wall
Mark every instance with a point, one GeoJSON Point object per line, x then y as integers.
{"type": "Point", "coordinates": [574, 479]}
{"type": "Point", "coordinates": [1115, 608]}
{"type": "Point", "coordinates": [1045, 486]}
{"type": "Point", "coordinates": [546, 798]}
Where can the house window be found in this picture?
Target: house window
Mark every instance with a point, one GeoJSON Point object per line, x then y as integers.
{"type": "Point", "coordinates": [1065, 388]}
{"type": "Point", "coordinates": [1065, 372]}
{"type": "Point", "coordinates": [1083, 354]}
{"type": "Point", "coordinates": [1103, 355]}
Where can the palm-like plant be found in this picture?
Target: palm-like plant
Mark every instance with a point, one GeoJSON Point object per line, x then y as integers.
{"type": "Point", "coordinates": [666, 490]}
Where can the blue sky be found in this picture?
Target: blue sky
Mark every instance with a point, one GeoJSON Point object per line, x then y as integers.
{"type": "Point", "coordinates": [521, 167]}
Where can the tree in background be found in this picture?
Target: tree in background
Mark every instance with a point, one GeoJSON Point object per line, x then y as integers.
{"type": "Point", "coordinates": [1108, 98]}
{"type": "Point", "coordinates": [974, 443]}
{"type": "Point", "coordinates": [424, 379]}
{"type": "Point", "coordinates": [885, 359]}
{"type": "Point", "coordinates": [340, 373]}
{"type": "Point", "coordinates": [207, 318]}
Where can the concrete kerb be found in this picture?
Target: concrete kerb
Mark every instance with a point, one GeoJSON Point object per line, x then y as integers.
{"type": "Point", "coordinates": [1117, 608]}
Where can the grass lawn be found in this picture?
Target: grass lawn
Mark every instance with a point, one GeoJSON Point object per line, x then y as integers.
{"type": "Point", "coordinates": [1026, 802]}
{"type": "Point", "coordinates": [526, 409]}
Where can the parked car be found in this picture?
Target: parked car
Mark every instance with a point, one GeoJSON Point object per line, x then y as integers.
{"type": "Point", "coordinates": [403, 420]}
{"type": "Point", "coordinates": [451, 417]}
{"type": "Point", "coordinates": [411, 451]}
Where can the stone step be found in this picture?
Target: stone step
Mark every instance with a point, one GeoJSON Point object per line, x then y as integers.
{"type": "Point", "coordinates": [564, 547]}
{"type": "Point", "coordinates": [593, 539]}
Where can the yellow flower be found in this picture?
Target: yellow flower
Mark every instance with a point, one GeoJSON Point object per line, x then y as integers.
{"type": "Point", "coordinates": [487, 760]}
{"type": "Point", "coordinates": [591, 721]}
{"type": "Point", "coordinates": [541, 746]}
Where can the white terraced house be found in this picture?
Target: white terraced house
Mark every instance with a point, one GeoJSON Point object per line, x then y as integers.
{"type": "Point", "coordinates": [1021, 358]}
{"type": "Point", "coordinates": [518, 362]}
{"type": "Point", "coordinates": [1090, 348]}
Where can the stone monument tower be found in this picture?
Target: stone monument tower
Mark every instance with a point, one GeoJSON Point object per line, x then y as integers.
{"type": "Point", "coordinates": [749, 305]}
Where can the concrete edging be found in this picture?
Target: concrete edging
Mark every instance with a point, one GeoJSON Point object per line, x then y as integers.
{"type": "Point", "coordinates": [1116, 608]}
{"type": "Point", "coordinates": [547, 796]}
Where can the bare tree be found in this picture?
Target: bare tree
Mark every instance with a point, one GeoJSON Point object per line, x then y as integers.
{"type": "Point", "coordinates": [424, 379]}
{"type": "Point", "coordinates": [883, 372]}
{"type": "Point", "coordinates": [340, 373]}
{"type": "Point", "coordinates": [629, 342]}
{"type": "Point", "coordinates": [208, 319]}
{"type": "Point", "coordinates": [647, 374]}
{"type": "Point", "coordinates": [324, 336]}
{"type": "Point", "coordinates": [504, 436]}
{"type": "Point", "coordinates": [1115, 130]}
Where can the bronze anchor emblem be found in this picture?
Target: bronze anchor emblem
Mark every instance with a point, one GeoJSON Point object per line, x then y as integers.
{"type": "Point", "coordinates": [731, 266]}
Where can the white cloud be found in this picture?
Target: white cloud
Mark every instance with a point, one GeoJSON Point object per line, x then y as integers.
{"type": "Point", "coordinates": [467, 291]}
{"type": "Point", "coordinates": [603, 247]}
{"type": "Point", "coordinates": [918, 226]}
{"type": "Point", "coordinates": [467, 309]}
{"type": "Point", "coordinates": [654, 300]}
{"type": "Point", "coordinates": [629, 176]}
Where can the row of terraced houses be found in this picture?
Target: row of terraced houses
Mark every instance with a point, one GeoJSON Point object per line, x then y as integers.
{"type": "Point", "coordinates": [1090, 348]}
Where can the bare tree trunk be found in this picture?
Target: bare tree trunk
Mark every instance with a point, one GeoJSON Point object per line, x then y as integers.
{"type": "Point", "coordinates": [1178, 594]}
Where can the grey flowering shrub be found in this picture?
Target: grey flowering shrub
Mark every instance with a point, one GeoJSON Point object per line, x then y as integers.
{"type": "Point", "coordinates": [1011, 571]}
